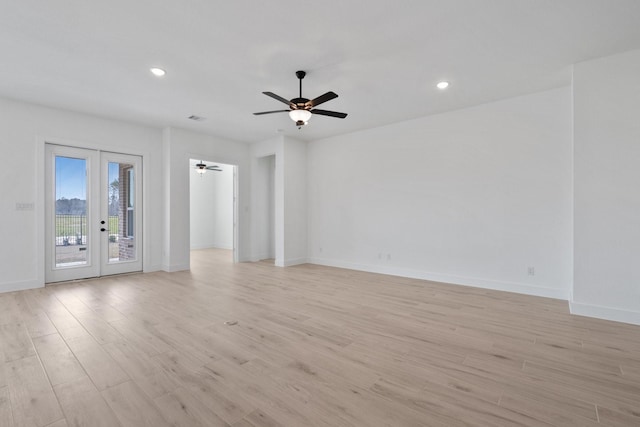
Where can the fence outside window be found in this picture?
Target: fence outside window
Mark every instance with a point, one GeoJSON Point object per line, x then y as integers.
{"type": "Point", "coordinates": [72, 229]}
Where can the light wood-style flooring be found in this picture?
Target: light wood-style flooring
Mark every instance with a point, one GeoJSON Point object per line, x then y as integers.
{"type": "Point", "coordinates": [312, 346]}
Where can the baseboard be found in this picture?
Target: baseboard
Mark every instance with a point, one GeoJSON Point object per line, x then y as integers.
{"type": "Point", "coordinates": [295, 261]}
{"type": "Point", "coordinates": [152, 268]}
{"type": "Point", "coordinates": [519, 288]}
{"type": "Point", "coordinates": [212, 246]}
{"type": "Point", "coordinates": [260, 257]}
{"type": "Point", "coordinates": [607, 313]}
{"type": "Point", "coordinates": [20, 286]}
{"type": "Point", "coordinates": [175, 267]}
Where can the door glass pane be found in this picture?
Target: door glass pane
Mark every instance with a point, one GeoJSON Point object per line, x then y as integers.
{"type": "Point", "coordinates": [71, 212]}
{"type": "Point", "coordinates": [122, 227]}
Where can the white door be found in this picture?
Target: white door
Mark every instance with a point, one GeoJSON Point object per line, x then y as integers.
{"type": "Point", "coordinates": [93, 215]}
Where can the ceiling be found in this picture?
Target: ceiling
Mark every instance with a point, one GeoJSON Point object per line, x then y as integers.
{"type": "Point", "coordinates": [382, 57]}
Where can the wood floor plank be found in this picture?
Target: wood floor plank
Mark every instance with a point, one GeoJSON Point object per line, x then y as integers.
{"type": "Point", "coordinates": [262, 392]}
{"type": "Point", "coordinates": [553, 408]}
{"type": "Point", "coordinates": [609, 417]}
{"type": "Point", "coordinates": [618, 387]}
{"type": "Point", "coordinates": [98, 328]}
{"type": "Point", "coordinates": [132, 407]}
{"type": "Point", "coordinates": [84, 406]}
{"type": "Point", "coordinates": [182, 409]}
{"type": "Point", "coordinates": [59, 362]}
{"type": "Point", "coordinates": [142, 335]}
{"type": "Point", "coordinates": [3, 374]}
{"type": "Point", "coordinates": [221, 400]}
{"type": "Point", "coordinates": [9, 308]}
{"type": "Point", "coordinates": [6, 416]}
{"type": "Point", "coordinates": [224, 401]}
{"type": "Point", "coordinates": [38, 324]}
{"type": "Point", "coordinates": [146, 372]}
{"type": "Point", "coordinates": [71, 303]}
{"type": "Point", "coordinates": [32, 398]}
{"type": "Point", "coordinates": [98, 364]}
{"type": "Point", "coordinates": [16, 343]}
{"type": "Point", "coordinates": [156, 384]}
{"type": "Point", "coordinates": [63, 320]}
{"type": "Point", "coordinates": [257, 418]}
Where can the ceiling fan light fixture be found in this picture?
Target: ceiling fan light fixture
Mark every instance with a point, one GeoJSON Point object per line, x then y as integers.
{"type": "Point", "coordinates": [158, 72]}
{"type": "Point", "coordinates": [300, 115]}
{"type": "Point", "coordinates": [201, 168]}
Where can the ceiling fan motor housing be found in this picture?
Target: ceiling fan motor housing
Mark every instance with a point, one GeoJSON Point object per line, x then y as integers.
{"type": "Point", "coordinates": [300, 103]}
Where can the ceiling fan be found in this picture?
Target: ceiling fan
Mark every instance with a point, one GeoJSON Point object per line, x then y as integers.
{"type": "Point", "coordinates": [301, 109]}
{"type": "Point", "coordinates": [201, 168]}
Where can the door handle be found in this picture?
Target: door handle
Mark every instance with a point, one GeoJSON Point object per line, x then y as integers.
{"type": "Point", "coordinates": [103, 229]}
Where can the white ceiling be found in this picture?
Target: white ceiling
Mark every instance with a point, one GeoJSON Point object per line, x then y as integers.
{"type": "Point", "coordinates": [382, 57]}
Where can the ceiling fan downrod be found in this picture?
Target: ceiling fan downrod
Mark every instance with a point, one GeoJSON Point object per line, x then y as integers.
{"type": "Point", "coordinates": [300, 75]}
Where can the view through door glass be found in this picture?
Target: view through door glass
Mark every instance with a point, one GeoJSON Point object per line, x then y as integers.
{"type": "Point", "coordinates": [70, 212]}
{"type": "Point", "coordinates": [122, 225]}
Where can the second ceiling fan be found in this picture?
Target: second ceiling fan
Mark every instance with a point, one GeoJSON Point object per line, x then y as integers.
{"type": "Point", "coordinates": [301, 109]}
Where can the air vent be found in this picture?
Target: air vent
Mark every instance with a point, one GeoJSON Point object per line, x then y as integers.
{"type": "Point", "coordinates": [196, 118]}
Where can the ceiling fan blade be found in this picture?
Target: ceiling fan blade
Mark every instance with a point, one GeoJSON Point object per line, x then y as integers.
{"type": "Point", "coordinates": [329, 113]}
{"type": "Point", "coordinates": [214, 167]}
{"type": "Point", "coordinates": [271, 112]}
{"type": "Point", "coordinates": [278, 97]}
{"type": "Point", "coordinates": [322, 98]}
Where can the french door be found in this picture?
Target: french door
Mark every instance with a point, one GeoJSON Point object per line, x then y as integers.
{"type": "Point", "coordinates": [93, 213]}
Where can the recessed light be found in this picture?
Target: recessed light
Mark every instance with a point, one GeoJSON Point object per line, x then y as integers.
{"type": "Point", "coordinates": [442, 85]}
{"type": "Point", "coordinates": [159, 72]}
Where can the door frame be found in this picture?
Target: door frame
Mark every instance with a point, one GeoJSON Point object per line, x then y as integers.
{"type": "Point", "coordinates": [41, 212]}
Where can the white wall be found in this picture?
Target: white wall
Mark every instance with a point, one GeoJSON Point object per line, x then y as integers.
{"type": "Point", "coordinates": [263, 207]}
{"type": "Point", "coordinates": [295, 201]}
{"type": "Point", "coordinates": [178, 147]}
{"type": "Point", "coordinates": [261, 223]}
{"type": "Point", "coordinates": [289, 198]}
{"type": "Point", "coordinates": [24, 129]}
{"type": "Point", "coordinates": [211, 207]}
{"type": "Point", "coordinates": [475, 197]}
{"type": "Point", "coordinates": [607, 187]}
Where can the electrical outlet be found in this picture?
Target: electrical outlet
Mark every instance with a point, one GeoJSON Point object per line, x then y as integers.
{"type": "Point", "coordinates": [531, 271]}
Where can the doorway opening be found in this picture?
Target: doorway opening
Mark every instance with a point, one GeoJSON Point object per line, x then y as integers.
{"type": "Point", "coordinates": [213, 209]}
